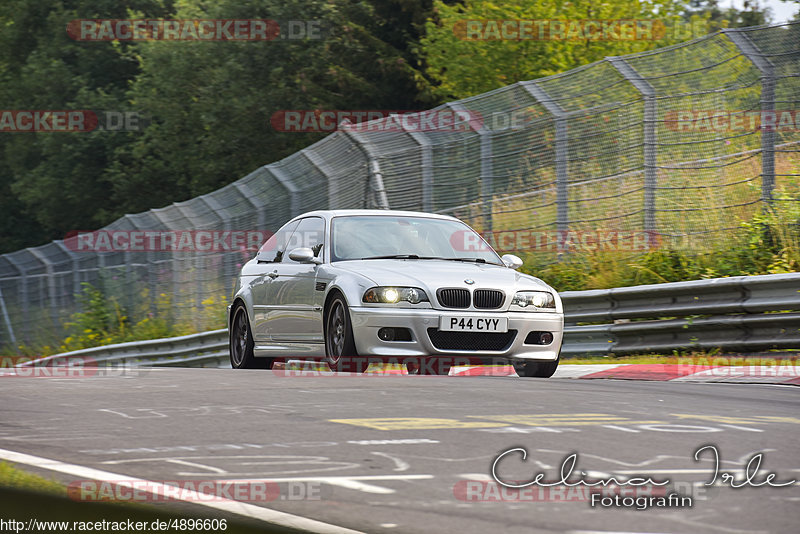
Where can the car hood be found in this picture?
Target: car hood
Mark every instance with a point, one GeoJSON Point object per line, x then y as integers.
{"type": "Point", "coordinates": [433, 274]}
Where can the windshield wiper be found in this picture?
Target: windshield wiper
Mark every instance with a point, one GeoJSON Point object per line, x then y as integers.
{"type": "Point", "coordinates": [397, 257]}
{"type": "Point", "coordinates": [471, 260]}
{"type": "Point", "coordinates": [415, 257]}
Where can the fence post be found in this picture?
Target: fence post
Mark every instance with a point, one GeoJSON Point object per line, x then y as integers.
{"type": "Point", "coordinates": [288, 184]}
{"type": "Point", "coordinates": [562, 155]}
{"type": "Point", "coordinates": [649, 126]}
{"type": "Point", "coordinates": [767, 69]}
{"type": "Point", "coordinates": [76, 266]}
{"type": "Point", "coordinates": [487, 171]}
{"type": "Point", "coordinates": [217, 208]}
{"type": "Point", "coordinates": [378, 196]}
{"type": "Point", "coordinates": [427, 168]}
{"type": "Point", "coordinates": [249, 197]}
{"type": "Point", "coordinates": [322, 166]}
{"type": "Point", "coordinates": [131, 273]}
{"type": "Point", "coordinates": [130, 270]}
{"type": "Point", "coordinates": [7, 320]}
{"type": "Point", "coordinates": [23, 296]}
{"type": "Point", "coordinates": [51, 285]}
{"type": "Point", "coordinates": [176, 268]}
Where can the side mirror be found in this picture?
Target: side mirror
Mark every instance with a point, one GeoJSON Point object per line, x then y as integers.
{"type": "Point", "coordinates": [511, 261]}
{"type": "Point", "coordinates": [304, 255]}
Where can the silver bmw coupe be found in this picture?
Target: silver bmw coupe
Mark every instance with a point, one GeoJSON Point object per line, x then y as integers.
{"type": "Point", "coordinates": [359, 286]}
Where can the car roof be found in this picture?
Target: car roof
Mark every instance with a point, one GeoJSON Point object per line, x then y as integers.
{"type": "Point", "coordinates": [396, 213]}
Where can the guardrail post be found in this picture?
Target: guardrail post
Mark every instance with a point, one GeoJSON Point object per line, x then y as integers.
{"type": "Point", "coordinates": [767, 70]}
{"type": "Point", "coordinates": [378, 196]}
{"type": "Point", "coordinates": [562, 146]}
{"type": "Point", "coordinates": [648, 93]}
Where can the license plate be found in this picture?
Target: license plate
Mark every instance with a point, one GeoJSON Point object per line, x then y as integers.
{"type": "Point", "coordinates": [456, 323]}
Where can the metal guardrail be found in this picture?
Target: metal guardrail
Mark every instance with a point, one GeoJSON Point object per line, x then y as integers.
{"type": "Point", "coordinates": [743, 313]}
{"type": "Point", "coordinates": [207, 349]}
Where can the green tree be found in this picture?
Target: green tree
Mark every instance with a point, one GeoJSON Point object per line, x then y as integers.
{"type": "Point", "coordinates": [728, 17]}
{"type": "Point", "coordinates": [211, 102]}
{"type": "Point", "coordinates": [463, 67]}
{"type": "Point", "coordinates": [51, 183]}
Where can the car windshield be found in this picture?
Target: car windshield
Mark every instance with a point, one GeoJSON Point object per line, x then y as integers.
{"type": "Point", "coordinates": [384, 236]}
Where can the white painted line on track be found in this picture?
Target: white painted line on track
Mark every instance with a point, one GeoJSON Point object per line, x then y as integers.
{"type": "Point", "coordinates": [577, 371]}
{"type": "Point", "coordinates": [225, 505]}
{"type": "Point", "coordinates": [482, 477]}
{"type": "Point", "coordinates": [607, 532]}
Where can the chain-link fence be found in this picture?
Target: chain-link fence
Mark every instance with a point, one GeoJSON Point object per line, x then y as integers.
{"type": "Point", "coordinates": [676, 145]}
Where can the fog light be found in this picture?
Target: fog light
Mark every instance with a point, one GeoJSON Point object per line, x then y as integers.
{"type": "Point", "coordinates": [386, 334]}
{"type": "Point", "coordinates": [539, 338]}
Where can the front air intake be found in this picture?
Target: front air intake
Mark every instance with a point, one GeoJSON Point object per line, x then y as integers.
{"type": "Point", "coordinates": [488, 299]}
{"type": "Point", "coordinates": [453, 298]}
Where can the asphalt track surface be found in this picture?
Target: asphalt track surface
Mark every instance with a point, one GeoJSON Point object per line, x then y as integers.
{"type": "Point", "coordinates": [414, 453]}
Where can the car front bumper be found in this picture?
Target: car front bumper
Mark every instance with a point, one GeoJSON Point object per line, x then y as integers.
{"type": "Point", "coordinates": [367, 321]}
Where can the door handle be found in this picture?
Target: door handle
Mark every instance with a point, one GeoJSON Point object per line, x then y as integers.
{"type": "Point", "coordinates": [273, 274]}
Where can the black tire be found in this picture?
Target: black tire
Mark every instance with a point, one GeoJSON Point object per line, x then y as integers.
{"type": "Point", "coordinates": [241, 343]}
{"type": "Point", "coordinates": [536, 369]}
{"type": "Point", "coordinates": [340, 345]}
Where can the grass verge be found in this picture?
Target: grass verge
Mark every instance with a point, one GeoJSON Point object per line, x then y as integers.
{"type": "Point", "coordinates": [11, 477]}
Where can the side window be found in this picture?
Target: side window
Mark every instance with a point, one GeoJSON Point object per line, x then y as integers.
{"type": "Point", "coordinates": [273, 249]}
{"type": "Point", "coordinates": [310, 233]}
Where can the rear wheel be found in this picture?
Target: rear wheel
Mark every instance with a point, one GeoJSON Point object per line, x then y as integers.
{"type": "Point", "coordinates": [340, 345]}
{"type": "Point", "coordinates": [241, 343]}
{"type": "Point", "coordinates": [536, 369]}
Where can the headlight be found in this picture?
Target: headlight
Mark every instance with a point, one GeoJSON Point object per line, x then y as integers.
{"type": "Point", "coordinates": [533, 301]}
{"type": "Point", "coordinates": [392, 295]}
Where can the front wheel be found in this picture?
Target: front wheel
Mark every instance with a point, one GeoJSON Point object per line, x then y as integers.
{"type": "Point", "coordinates": [340, 345]}
{"type": "Point", "coordinates": [536, 369]}
{"type": "Point", "coordinates": [241, 343]}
